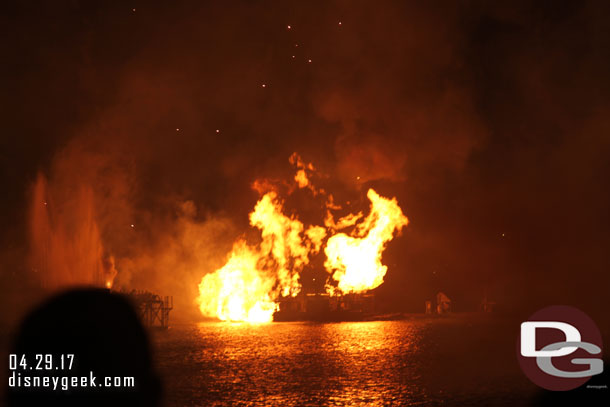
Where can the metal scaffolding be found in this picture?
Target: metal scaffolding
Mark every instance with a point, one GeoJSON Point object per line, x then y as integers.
{"type": "Point", "coordinates": [154, 310]}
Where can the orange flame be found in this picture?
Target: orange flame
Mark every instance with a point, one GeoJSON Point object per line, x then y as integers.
{"type": "Point", "coordinates": [246, 287]}
{"type": "Point", "coordinates": [238, 291]}
{"type": "Point", "coordinates": [355, 261]}
{"type": "Point", "coordinates": [254, 277]}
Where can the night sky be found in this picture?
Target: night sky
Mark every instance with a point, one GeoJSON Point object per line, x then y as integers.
{"type": "Point", "coordinates": [489, 122]}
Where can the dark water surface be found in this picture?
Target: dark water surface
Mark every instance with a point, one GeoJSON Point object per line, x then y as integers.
{"type": "Point", "coordinates": [460, 360]}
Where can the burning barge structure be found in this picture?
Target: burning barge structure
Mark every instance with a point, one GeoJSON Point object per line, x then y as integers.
{"type": "Point", "coordinates": [326, 308]}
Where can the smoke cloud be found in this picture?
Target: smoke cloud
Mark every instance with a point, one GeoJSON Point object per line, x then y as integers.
{"type": "Point", "coordinates": [487, 121]}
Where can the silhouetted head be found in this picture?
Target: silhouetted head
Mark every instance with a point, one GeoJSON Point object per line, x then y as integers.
{"type": "Point", "coordinates": [104, 333]}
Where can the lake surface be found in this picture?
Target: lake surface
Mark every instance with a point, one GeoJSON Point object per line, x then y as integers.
{"type": "Point", "coordinates": [460, 360]}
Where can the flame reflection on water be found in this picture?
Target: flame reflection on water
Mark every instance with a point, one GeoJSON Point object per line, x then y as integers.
{"type": "Point", "coordinates": [413, 362]}
{"type": "Point", "coordinates": [297, 363]}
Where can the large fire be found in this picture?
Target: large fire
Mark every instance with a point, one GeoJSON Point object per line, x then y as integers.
{"type": "Point", "coordinates": [254, 277]}
{"type": "Point", "coordinates": [356, 260]}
